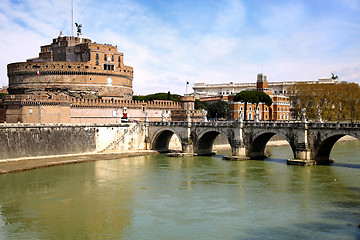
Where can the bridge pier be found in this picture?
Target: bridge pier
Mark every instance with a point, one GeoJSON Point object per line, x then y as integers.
{"type": "Point", "coordinates": [238, 148]}
{"type": "Point", "coordinates": [303, 156]}
{"type": "Point", "coordinates": [238, 153]}
{"type": "Point", "coordinates": [187, 147]}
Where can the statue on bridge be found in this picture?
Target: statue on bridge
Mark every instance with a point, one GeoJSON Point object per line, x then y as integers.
{"type": "Point", "coordinates": [146, 116]}
{"type": "Point", "coordinates": [162, 116]}
{"type": "Point", "coordinates": [257, 115]}
{"type": "Point", "coordinates": [204, 112]}
{"type": "Point", "coordinates": [303, 114]}
{"type": "Point", "coordinates": [319, 116]}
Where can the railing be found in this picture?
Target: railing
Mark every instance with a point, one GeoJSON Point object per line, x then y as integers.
{"type": "Point", "coordinates": [261, 124]}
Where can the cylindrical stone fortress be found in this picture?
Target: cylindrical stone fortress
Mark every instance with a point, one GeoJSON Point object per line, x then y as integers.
{"type": "Point", "coordinates": [76, 67]}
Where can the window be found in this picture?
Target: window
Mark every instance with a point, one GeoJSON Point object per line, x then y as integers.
{"type": "Point", "coordinates": [119, 59]}
{"type": "Point", "coordinates": [97, 56]}
{"type": "Point", "coordinates": [97, 62]}
{"type": "Point", "coordinates": [112, 58]}
{"type": "Point", "coordinates": [105, 57]}
{"type": "Point", "coordinates": [30, 110]}
{"type": "Point", "coordinates": [109, 67]}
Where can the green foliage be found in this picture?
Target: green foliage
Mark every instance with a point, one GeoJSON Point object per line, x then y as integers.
{"type": "Point", "coordinates": [157, 96]}
{"type": "Point", "coordinates": [2, 95]}
{"type": "Point", "coordinates": [336, 102]}
{"type": "Point", "coordinates": [253, 96]}
{"type": "Point", "coordinates": [219, 109]}
{"type": "Point", "coordinates": [201, 105]}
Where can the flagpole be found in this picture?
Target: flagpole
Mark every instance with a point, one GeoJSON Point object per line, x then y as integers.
{"type": "Point", "coordinates": [72, 18]}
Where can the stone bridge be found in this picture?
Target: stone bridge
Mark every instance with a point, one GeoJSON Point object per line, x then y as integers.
{"type": "Point", "coordinates": [311, 143]}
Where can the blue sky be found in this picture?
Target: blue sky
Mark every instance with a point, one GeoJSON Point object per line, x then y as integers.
{"type": "Point", "coordinates": [213, 41]}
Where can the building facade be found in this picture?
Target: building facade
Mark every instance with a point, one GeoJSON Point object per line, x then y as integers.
{"type": "Point", "coordinates": [204, 90]}
{"type": "Point", "coordinates": [278, 111]}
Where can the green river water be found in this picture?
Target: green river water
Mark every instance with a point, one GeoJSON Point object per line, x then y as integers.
{"type": "Point", "coordinates": [157, 197]}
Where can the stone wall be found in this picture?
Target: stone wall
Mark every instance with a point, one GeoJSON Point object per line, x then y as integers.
{"type": "Point", "coordinates": [66, 77]}
{"type": "Point", "coordinates": [63, 109]}
{"type": "Point", "coordinates": [30, 140]}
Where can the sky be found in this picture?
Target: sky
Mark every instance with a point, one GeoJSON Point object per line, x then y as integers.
{"type": "Point", "coordinates": [171, 42]}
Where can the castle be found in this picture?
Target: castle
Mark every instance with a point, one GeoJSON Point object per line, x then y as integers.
{"type": "Point", "coordinates": [76, 67]}
{"type": "Point", "coordinates": [75, 80]}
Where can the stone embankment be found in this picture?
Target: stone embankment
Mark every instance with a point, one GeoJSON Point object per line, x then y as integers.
{"type": "Point", "coordinates": [30, 146]}
{"type": "Point", "coordinates": [29, 163]}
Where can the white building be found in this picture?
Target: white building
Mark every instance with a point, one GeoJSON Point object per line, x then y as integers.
{"type": "Point", "coordinates": [202, 90]}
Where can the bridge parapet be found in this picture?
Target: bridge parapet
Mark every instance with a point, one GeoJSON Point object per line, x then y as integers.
{"type": "Point", "coordinates": [277, 124]}
{"type": "Point", "coordinates": [334, 125]}
{"type": "Point", "coordinates": [169, 124]}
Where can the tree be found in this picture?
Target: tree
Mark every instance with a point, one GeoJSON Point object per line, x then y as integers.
{"type": "Point", "coordinates": [252, 96]}
{"type": "Point", "coordinates": [157, 96]}
{"type": "Point", "coordinates": [335, 102]}
{"type": "Point", "coordinates": [219, 109]}
{"type": "Point", "coordinates": [201, 105]}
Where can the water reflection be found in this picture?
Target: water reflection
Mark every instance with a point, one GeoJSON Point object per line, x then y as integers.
{"type": "Point", "coordinates": [157, 197]}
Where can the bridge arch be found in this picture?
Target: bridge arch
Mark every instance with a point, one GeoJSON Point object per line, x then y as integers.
{"type": "Point", "coordinates": [204, 142]}
{"type": "Point", "coordinates": [323, 149]}
{"type": "Point", "coordinates": [256, 148]}
{"type": "Point", "coordinates": [161, 139]}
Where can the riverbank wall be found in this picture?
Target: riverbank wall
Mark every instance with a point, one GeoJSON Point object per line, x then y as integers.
{"type": "Point", "coordinates": [34, 140]}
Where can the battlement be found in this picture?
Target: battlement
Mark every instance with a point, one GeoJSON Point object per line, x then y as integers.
{"type": "Point", "coordinates": [42, 99]}
{"type": "Point", "coordinates": [70, 39]}
{"type": "Point", "coordinates": [103, 103]}
{"type": "Point", "coordinates": [64, 67]}
{"type": "Point", "coordinates": [88, 103]}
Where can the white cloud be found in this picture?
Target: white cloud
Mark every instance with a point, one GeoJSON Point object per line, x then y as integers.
{"type": "Point", "coordinates": [220, 41]}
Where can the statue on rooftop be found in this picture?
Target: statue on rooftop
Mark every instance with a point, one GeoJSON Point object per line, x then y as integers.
{"type": "Point", "coordinates": [333, 76]}
{"type": "Point", "coordinates": [78, 26]}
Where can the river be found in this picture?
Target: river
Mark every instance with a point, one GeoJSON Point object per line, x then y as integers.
{"type": "Point", "coordinates": [157, 197]}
